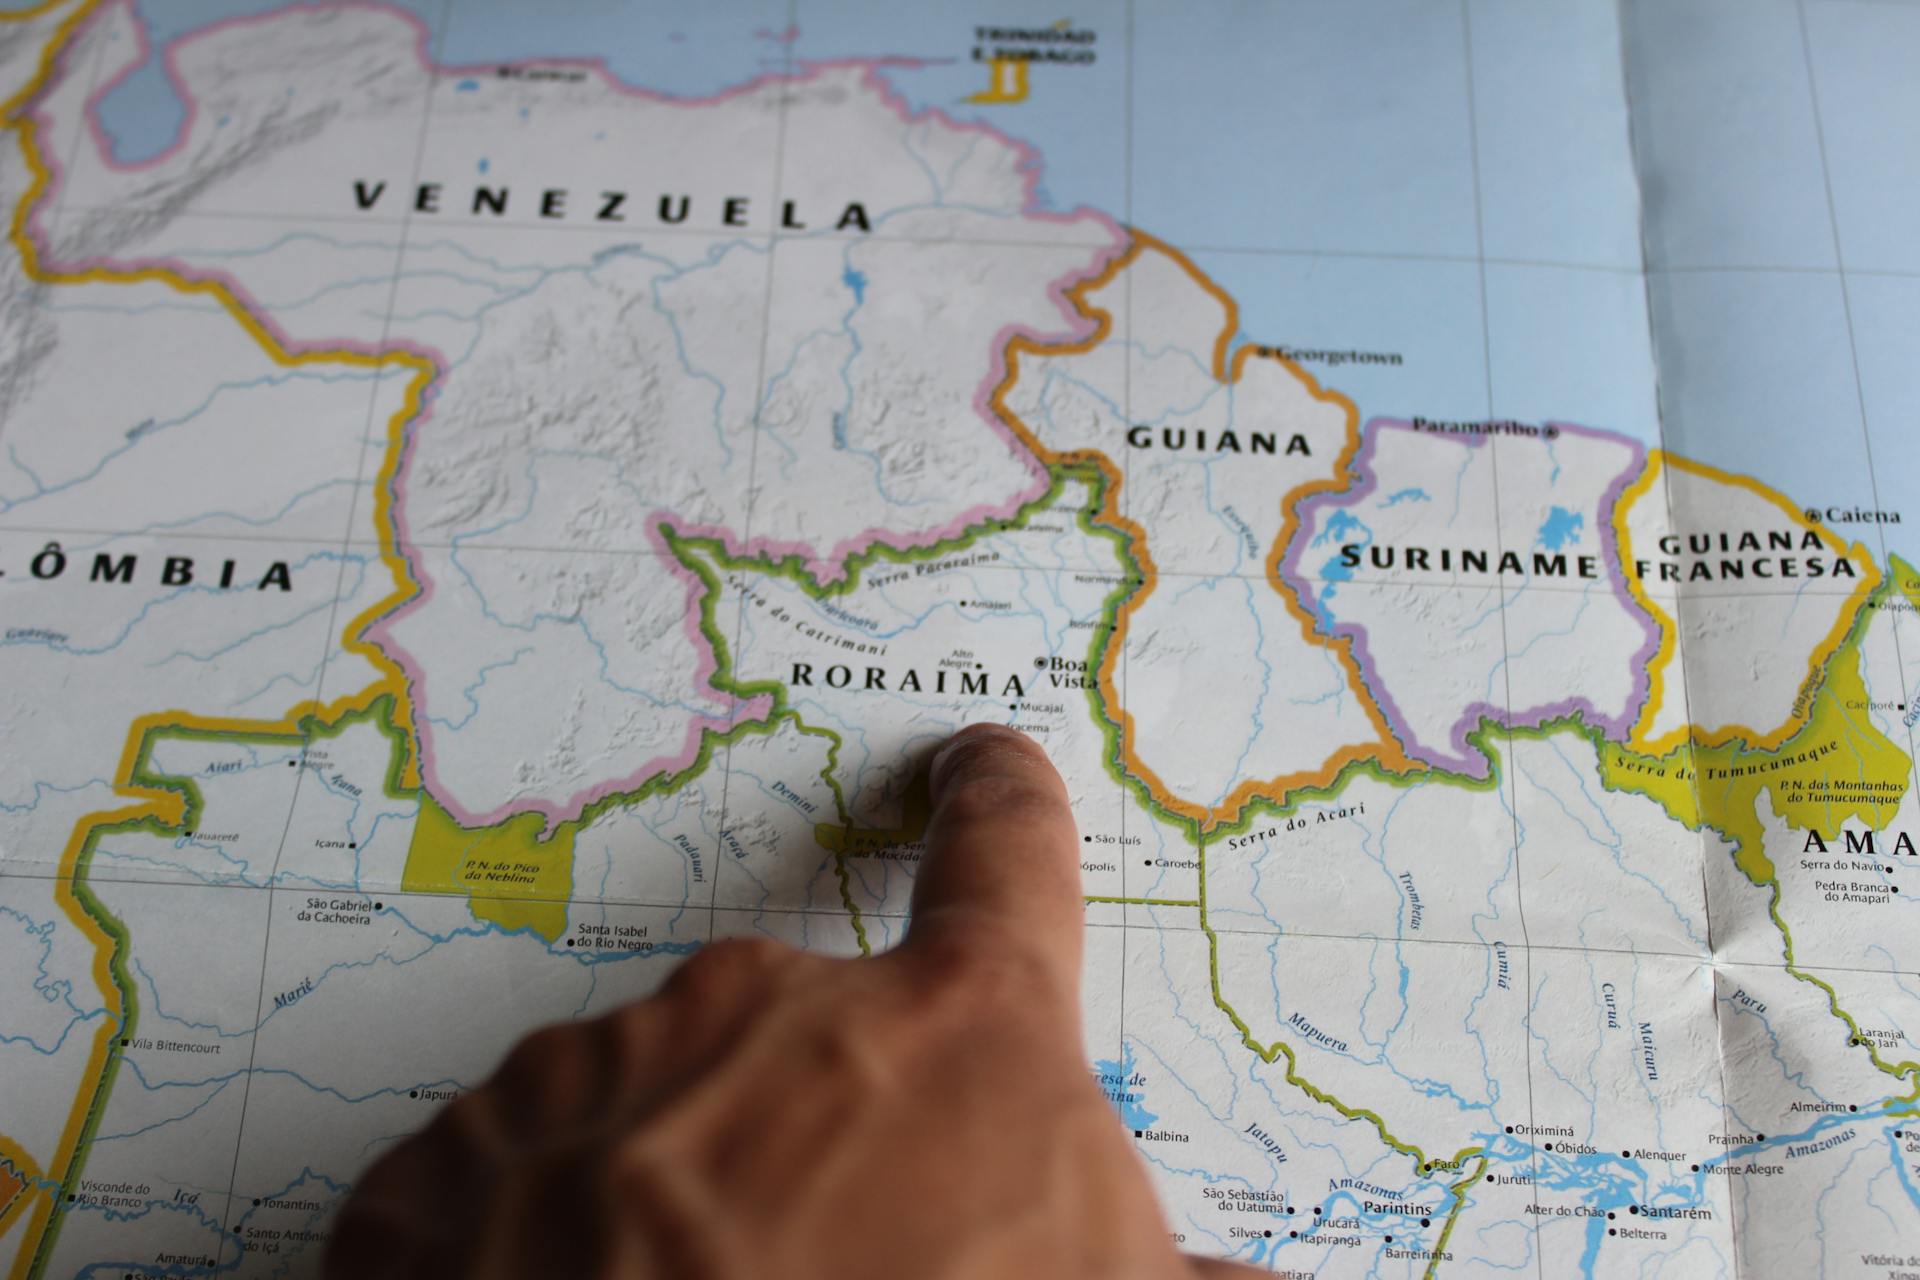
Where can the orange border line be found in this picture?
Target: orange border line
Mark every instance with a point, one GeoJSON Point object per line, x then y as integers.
{"type": "Point", "coordinates": [165, 806]}
{"type": "Point", "coordinates": [1386, 751]}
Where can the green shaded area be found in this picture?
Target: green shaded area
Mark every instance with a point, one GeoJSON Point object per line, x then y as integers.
{"type": "Point", "coordinates": [1838, 768]}
{"type": "Point", "coordinates": [513, 878]}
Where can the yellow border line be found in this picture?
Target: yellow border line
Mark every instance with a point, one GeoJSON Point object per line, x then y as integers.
{"type": "Point", "coordinates": [1665, 655]}
{"type": "Point", "coordinates": [162, 805]}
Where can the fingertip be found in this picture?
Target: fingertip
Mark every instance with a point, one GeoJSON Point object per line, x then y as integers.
{"type": "Point", "coordinates": [987, 747]}
{"type": "Point", "coordinates": [1002, 851]}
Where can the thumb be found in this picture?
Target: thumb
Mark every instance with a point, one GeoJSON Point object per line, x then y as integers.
{"type": "Point", "coordinates": [1003, 859]}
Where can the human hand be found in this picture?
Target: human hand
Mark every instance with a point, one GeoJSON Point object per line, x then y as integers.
{"type": "Point", "coordinates": [925, 1113]}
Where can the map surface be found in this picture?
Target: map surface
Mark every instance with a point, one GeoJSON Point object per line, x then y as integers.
{"type": "Point", "coordinates": [492, 500]}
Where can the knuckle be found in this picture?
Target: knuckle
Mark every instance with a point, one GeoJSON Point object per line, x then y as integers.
{"type": "Point", "coordinates": [838, 1048]}
{"type": "Point", "coordinates": [465, 1125]}
{"type": "Point", "coordinates": [944, 958]}
{"type": "Point", "coordinates": [534, 1055]}
{"type": "Point", "coordinates": [634, 1040]}
{"type": "Point", "coordinates": [393, 1177]}
{"type": "Point", "coordinates": [990, 970]}
{"type": "Point", "coordinates": [532, 1082]}
{"type": "Point", "coordinates": [631, 1026]}
{"type": "Point", "coordinates": [727, 965]}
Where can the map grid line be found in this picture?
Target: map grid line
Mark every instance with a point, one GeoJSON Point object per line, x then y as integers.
{"type": "Point", "coordinates": [1853, 349]}
{"type": "Point", "coordinates": [1678, 663]}
{"type": "Point", "coordinates": [231, 1236]}
{"type": "Point", "coordinates": [1506, 649]}
{"type": "Point", "coordinates": [776, 179]}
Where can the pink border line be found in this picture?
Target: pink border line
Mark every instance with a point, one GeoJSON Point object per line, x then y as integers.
{"type": "Point", "coordinates": [826, 567]}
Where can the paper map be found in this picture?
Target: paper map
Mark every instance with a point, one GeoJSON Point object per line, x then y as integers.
{"type": "Point", "coordinates": [493, 499]}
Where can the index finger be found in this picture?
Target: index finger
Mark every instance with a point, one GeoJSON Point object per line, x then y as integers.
{"type": "Point", "coordinates": [1003, 858]}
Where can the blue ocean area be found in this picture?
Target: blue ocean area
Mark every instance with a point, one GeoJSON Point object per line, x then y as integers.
{"type": "Point", "coordinates": [1334, 297]}
{"type": "Point", "coordinates": [677, 47]}
{"type": "Point", "coordinates": [682, 48]}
